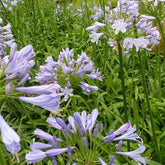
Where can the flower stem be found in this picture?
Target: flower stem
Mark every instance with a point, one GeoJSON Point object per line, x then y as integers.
{"type": "Point", "coordinates": [148, 105]}
{"type": "Point", "coordinates": [34, 24]}
{"type": "Point", "coordinates": [122, 80]}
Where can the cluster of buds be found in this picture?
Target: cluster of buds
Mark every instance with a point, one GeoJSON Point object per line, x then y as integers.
{"type": "Point", "coordinates": [19, 64]}
{"type": "Point", "coordinates": [14, 69]}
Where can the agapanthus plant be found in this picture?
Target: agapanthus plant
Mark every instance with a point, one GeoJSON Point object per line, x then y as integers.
{"type": "Point", "coordinates": [84, 141]}
{"type": "Point", "coordinates": [59, 78]}
{"type": "Point", "coordinates": [129, 30]}
{"type": "Point", "coordinates": [126, 24]}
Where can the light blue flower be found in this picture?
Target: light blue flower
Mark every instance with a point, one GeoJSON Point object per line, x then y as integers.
{"type": "Point", "coordinates": [19, 63]}
{"type": "Point", "coordinates": [9, 137]}
{"type": "Point", "coordinates": [135, 154]}
{"type": "Point", "coordinates": [40, 89]}
{"type": "Point", "coordinates": [119, 26]}
{"type": "Point", "coordinates": [49, 102]}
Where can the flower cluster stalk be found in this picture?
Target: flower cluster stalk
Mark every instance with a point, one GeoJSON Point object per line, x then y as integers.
{"type": "Point", "coordinates": [34, 23]}
{"type": "Point", "coordinates": [149, 106]}
{"type": "Point", "coordinates": [122, 80]}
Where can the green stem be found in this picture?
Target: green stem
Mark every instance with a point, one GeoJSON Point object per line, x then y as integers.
{"type": "Point", "coordinates": [104, 9]}
{"type": "Point", "coordinates": [148, 105]}
{"type": "Point", "coordinates": [122, 80]}
{"type": "Point", "coordinates": [34, 24]}
{"type": "Point", "coordinates": [132, 95]}
{"type": "Point", "coordinates": [87, 10]}
{"type": "Point", "coordinates": [158, 70]}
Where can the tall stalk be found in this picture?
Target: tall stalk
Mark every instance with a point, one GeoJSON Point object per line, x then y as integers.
{"type": "Point", "coordinates": [87, 10]}
{"type": "Point", "coordinates": [34, 24]}
{"type": "Point", "coordinates": [132, 93]}
{"type": "Point", "coordinates": [142, 69]}
{"type": "Point", "coordinates": [122, 80]}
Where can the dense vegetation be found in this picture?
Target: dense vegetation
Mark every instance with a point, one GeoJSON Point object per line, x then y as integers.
{"type": "Point", "coordinates": [130, 85]}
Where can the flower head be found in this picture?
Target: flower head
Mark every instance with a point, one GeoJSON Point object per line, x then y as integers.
{"type": "Point", "coordinates": [57, 78]}
{"type": "Point", "coordinates": [86, 138]}
{"type": "Point", "coordinates": [119, 26]}
{"type": "Point", "coordinates": [18, 64]}
{"type": "Point", "coordinates": [136, 29]}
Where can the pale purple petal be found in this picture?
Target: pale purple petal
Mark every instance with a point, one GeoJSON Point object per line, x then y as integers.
{"type": "Point", "coordinates": [9, 137]}
{"type": "Point", "coordinates": [49, 102]}
{"type": "Point", "coordinates": [35, 156]}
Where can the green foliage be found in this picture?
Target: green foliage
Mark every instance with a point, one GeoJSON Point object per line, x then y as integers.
{"type": "Point", "coordinates": [35, 22]}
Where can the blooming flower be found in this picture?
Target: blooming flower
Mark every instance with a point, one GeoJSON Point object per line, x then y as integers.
{"type": "Point", "coordinates": [87, 88]}
{"type": "Point", "coordinates": [95, 27]}
{"type": "Point", "coordinates": [9, 137]}
{"type": "Point", "coordinates": [95, 36]}
{"type": "Point", "coordinates": [19, 63]}
{"type": "Point", "coordinates": [128, 131]}
{"type": "Point", "coordinates": [128, 135]}
{"type": "Point", "coordinates": [52, 149]}
{"type": "Point", "coordinates": [36, 155]}
{"type": "Point", "coordinates": [41, 89]}
{"type": "Point", "coordinates": [70, 67]}
{"type": "Point", "coordinates": [135, 154]}
{"type": "Point", "coordinates": [141, 43]}
{"type": "Point", "coordinates": [81, 132]}
{"type": "Point", "coordinates": [95, 75]}
{"type": "Point", "coordinates": [125, 18]}
{"type": "Point", "coordinates": [49, 102]}
{"type": "Point", "coordinates": [57, 78]}
{"type": "Point", "coordinates": [119, 26]}
{"type": "Point", "coordinates": [128, 43]}
{"type": "Point", "coordinates": [66, 92]}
